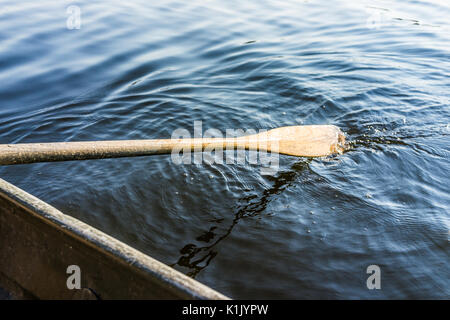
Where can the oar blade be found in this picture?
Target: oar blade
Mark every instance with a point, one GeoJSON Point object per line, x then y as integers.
{"type": "Point", "coordinates": [308, 141]}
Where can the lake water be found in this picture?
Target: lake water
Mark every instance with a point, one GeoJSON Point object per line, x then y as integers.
{"type": "Point", "coordinates": [380, 70]}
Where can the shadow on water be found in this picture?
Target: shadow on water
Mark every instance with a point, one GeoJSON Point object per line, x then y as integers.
{"type": "Point", "coordinates": [196, 258]}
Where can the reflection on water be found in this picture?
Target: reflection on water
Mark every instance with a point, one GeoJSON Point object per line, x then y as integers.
{"type": "Point", "coordinates": [196, 258]}
{"type": "Point", "coordinates": [140, 69]}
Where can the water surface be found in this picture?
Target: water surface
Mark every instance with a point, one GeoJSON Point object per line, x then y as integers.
{"type": "Point", "coordinates": [137, 69]}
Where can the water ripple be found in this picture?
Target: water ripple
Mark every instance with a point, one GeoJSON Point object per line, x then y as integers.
{"type": "Point", "coordinates": [136, 70]}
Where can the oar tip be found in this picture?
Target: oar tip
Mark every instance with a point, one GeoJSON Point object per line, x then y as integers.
{"type": "Point", "coordinates": [340, 144]}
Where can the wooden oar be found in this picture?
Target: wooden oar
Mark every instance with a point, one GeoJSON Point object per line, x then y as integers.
{"type": "Point", "coordinates": [301, 141]}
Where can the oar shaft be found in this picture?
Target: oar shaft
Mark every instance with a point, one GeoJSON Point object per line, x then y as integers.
{"type": "Point", "coordinates": [66, 151]}
{"type": "Point", "coordinates": [299, 141]}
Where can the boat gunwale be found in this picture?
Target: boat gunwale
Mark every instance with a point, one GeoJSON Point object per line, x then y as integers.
{"type": "Point", "coordinates": [147, 266]}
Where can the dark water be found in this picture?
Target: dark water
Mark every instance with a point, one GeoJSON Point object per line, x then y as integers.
{"type": "Point", "coordinates": [141, 69]}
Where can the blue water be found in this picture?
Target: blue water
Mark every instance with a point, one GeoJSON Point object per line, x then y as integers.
{"type": "Point", "coordinates": [380, 70]}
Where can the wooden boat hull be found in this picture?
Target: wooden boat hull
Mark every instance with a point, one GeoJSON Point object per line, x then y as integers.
{"type": "Point", "coordinates": [38, 243]}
